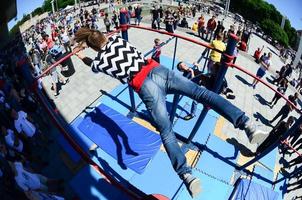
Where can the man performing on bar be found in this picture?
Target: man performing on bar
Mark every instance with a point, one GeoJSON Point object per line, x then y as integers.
{"type": "Point", "coordinates": [152, 81]}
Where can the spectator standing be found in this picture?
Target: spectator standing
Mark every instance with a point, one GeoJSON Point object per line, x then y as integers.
{"type": "Point", "coordinates": [264, 65]}
{"type": "Point", "coordinates": [155, 24]}
{"type": "Point", "coordinates": [156, 54]}
{"type": "Point", "coordinates": [201, 28]}
{"type": "Point", "coordinates": [219, 29]}
{"type": "Point", "coordinates": [65, 40]}
{"type": "Point", "coordinates": [285, 110]}
{"type": "Point", "coordinates": [36, 61]}
{"type": "Point", "coordinates": [282, 89]}
{"type": "Point", "coordinates": [215, 56]}
{"type": "Point", "coordinates": [169, 21]}
{"type": "Point", "coordinates": [138, 14]}
{"type": "Point", "coordinates": [107, 23]}
{"type": "Point", "coordinates": [211, 25]}
{"type": "Point", "coordinates": [115, 19]}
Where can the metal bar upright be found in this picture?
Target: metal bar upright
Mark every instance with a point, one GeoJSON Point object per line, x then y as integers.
{"type": "Point", "coordinates": [270, 148]}
{"type": "Point", "coordinates": [176, 96]}
{"type": "Point", "coordinates": [174, 54]}
{"type": "Point", "coordinates": [124, 28]}
{"type": "Point", "coordinates": [232, 42]}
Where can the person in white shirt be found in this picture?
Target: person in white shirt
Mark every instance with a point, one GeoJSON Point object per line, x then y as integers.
{"type": "Point", "coordinates": [65, 40]}
{"type": "Point", "coordinates": [29, 181]}
{"type": "Point", "coordinates": [23, 123]}
{"type": "Point", "coordinates": [12, 140]}
{"type": "Point", "coordinates": [264, 65]}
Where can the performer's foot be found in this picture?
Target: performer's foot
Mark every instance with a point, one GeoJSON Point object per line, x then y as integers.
{"type": "Point", "coordinates": [254, 135]}
{"type": "Point", "coordinates": [192, 184]}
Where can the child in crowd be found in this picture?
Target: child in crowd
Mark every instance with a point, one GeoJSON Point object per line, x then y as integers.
{"type": "Point", "coordinates": [157, 50]}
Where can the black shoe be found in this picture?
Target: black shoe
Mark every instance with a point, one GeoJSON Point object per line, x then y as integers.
{"type": "Point", "coordinates": [230, 96]}
{"type": "Point", "coordinates": [188, 117]}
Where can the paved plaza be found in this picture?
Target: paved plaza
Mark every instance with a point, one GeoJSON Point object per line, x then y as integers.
{"type": "Point", "coordinates": [84, 87]}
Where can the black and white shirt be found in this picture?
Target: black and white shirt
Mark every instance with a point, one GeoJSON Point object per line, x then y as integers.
{"type": "Point", "coordinates": [119, 59]}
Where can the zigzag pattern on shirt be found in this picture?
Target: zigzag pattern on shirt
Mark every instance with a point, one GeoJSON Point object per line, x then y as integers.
{"type": "Point", "coordinates": [119, 59]}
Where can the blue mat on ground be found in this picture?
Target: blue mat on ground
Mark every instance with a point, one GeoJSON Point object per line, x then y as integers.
{"type": "Point", "coordinates": [117, 134]}
{"type": "Point", "coordinates": [248, 190]}
{"type": "Point", "coordinates": [88, 184]}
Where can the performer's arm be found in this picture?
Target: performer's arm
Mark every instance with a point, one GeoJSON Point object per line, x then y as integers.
{"type": "Point", "coordinates": [85, 59]}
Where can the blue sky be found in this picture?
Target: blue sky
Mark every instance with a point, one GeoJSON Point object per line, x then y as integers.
{"type": "Point", "coordinates": [290, 8]}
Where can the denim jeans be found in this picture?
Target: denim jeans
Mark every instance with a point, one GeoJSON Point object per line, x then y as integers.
{"type": "Point", "coordinates": [162, 81]}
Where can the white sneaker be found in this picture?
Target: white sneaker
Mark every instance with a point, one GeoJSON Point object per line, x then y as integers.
{"type": "Point", "coordinates": [254, 135]}
{"type": "Point", "coordinates": [192, 184]}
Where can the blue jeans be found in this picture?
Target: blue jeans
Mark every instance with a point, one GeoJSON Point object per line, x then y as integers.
{"type": "Point", "coordinates": [162, 81]}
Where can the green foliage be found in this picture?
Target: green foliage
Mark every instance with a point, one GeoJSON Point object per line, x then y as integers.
{"type": "Point", "coordinates": [259, 11]}
{"type": "Point", "coordinates": [275, 31]}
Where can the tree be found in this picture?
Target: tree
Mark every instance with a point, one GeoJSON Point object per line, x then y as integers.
{"type": "Point", "coordinates": [259, 11]}
{"type": "Point", "coordinates": [275, 31]}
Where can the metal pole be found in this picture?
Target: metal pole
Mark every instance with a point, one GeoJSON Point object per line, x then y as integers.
{"type": "Point", "coordinates": [223, 69]}
{"type": "Point", "coordinates": [53, 6]}
{"type": "Point", "coordinates": [270, 148]}
{"type": "Point", "coordinates": [124, 28]}
{"type": "Point", "coordinates": [174, 54]}
{"type": "Point", "coordinates": [176, 96]}
{"type": "Point", "coordinates": [174, 107]}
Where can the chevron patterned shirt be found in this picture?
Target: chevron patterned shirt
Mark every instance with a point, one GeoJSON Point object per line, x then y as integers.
{"type": "Point", "coordinates": [119, 59]}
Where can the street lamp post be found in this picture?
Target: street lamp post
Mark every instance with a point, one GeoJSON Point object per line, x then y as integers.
{"type": "Point", "coordinates": [53, 6]}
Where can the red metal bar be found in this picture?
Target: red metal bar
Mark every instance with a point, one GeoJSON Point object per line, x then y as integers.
{"type": "Point", "coordinates": [83, 153]}
{"type": "Point", "coordinates": [266, 84]}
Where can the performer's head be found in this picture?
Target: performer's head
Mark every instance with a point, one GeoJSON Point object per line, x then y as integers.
{"type": "Point", "coordinates": [90, 38]}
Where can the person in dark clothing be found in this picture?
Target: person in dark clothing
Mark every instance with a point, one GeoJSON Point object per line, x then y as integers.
{"type": "Point", "coordinates": [219, 29]}
{"type": "Point", "coordinates": [169, 21]}
{"type": "Point", "coordinates": [281, 74]}
{"type": "Point", "coordinates": [115, 19]}
{"type": "Point", "coordinates": [195, 75]}
{"type": "Point", "coordinates": [285, 110]}
{"type": "Point", "coordinates": [282, 89]}
{"type": "Point", "coordinates": [138, 14]}
{"type": "Point", "coordinates": [184, 23]}
{"type": "Point", "coordinates": [155, 24]}
{"type": "Point", "coordinates": [275, 134]}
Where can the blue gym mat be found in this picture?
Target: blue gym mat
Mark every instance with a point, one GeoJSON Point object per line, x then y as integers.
{"type": "Point", "coordinates": [117, 134]}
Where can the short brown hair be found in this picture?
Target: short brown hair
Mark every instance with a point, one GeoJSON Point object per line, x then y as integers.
{"type": "Point", "coordinates": [93, 38]}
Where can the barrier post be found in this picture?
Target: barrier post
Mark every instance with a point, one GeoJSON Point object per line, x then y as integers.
{"type": "Point", "coordinates": [124, 30]}
{"type": "Point", "coordinates": [176, 96]}
{"type": "Point", "coordinates": [229, 51]}
{"type": "Point", "coordinates": [271, 147]}
{"type": "Point", "coordinates": [174, 55]}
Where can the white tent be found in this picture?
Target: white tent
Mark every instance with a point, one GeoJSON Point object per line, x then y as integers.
{"type": "Point", "coordinates": [68, 7]}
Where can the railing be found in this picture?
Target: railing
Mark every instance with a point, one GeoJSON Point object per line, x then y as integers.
{"type": "Point", "coordinates": [228, 55]}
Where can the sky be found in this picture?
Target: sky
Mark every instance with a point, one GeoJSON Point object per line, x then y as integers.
{"type": "Point", "coordinates": [289, 8]}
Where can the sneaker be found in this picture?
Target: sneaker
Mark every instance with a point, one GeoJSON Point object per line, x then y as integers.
{"type": "Point", "coordinates": [254, 135]}
{"type": "Point", "coordinates": [192, 184]}
{"type": "Point", "coordinates": [188, 117]}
